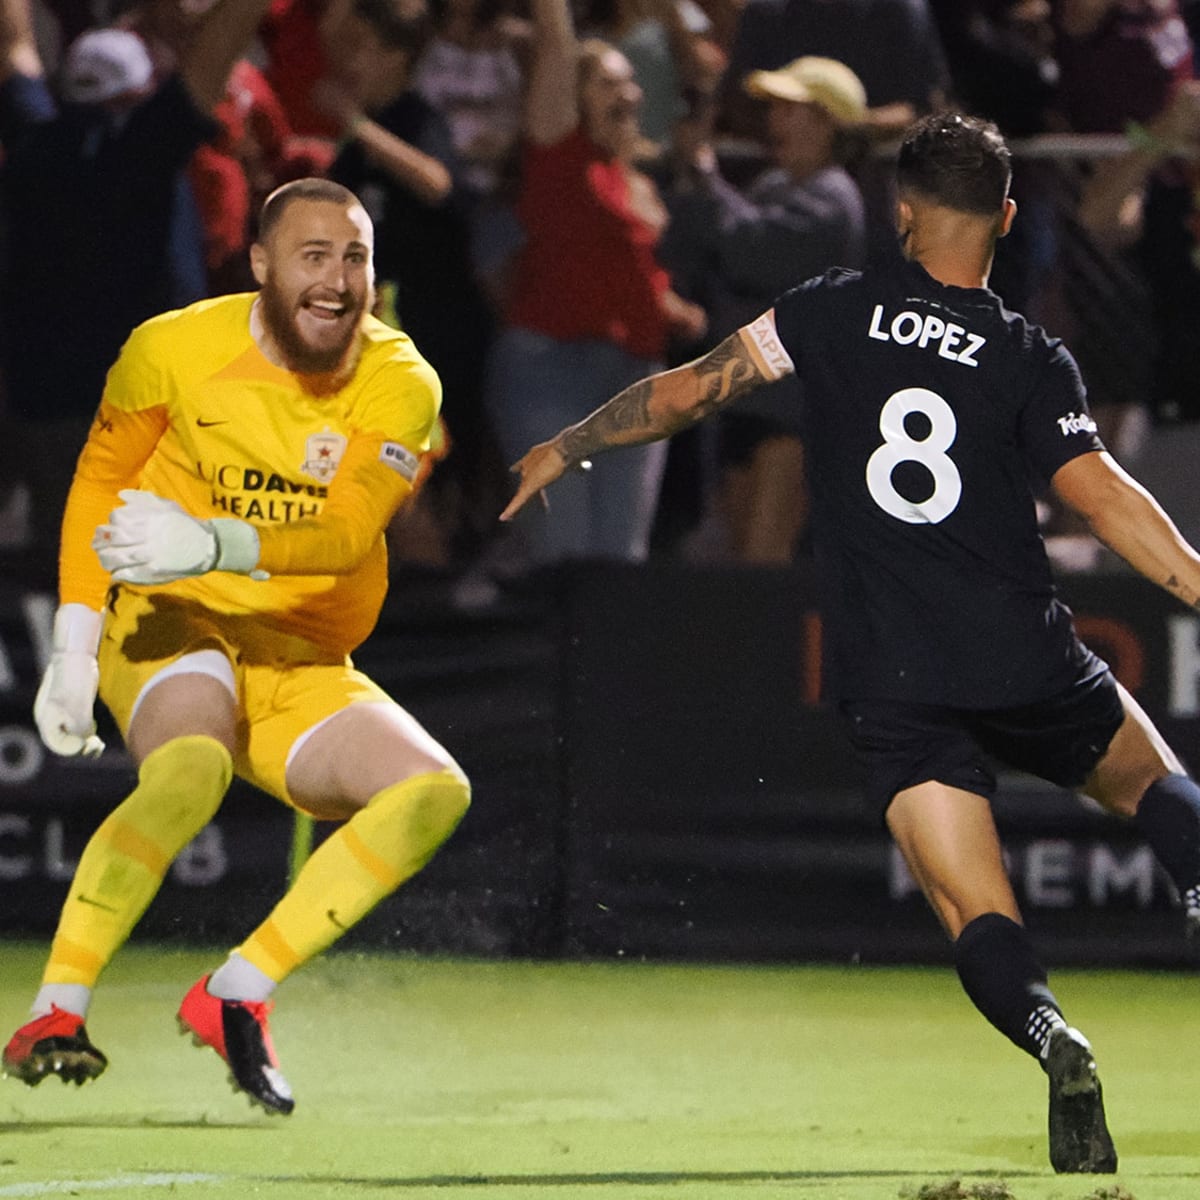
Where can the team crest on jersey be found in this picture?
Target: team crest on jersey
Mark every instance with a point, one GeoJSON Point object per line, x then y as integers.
{"type": "Point", "coordinates": [323, 455]}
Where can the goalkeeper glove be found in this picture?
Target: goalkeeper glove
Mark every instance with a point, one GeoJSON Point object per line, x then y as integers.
{"type": "Point", "coordinates": [63, 708]}
{"type": "Point", "coordinates": [152, 540]}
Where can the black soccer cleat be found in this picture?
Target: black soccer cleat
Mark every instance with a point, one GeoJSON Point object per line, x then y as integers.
{"type": "Point", "coordinates": [237, 1030]}
{"type": "Point", "coordinates": [1079, 1138]}
{"type": "Point", "coordinates": [54, 1044]}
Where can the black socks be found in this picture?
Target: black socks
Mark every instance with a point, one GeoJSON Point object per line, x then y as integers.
{"type": "Point", "coordinates": [1168, 817]}
{"type": "Point", "coordinates": [1004, 980]}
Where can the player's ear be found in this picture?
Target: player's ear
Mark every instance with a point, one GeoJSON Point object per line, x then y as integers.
{"type": "Point", "coordinates": [1006, 219]}
{"type": "Point", "coordinates": [903, 217]}
{"type": "Point", "coordinates": [258, 263]}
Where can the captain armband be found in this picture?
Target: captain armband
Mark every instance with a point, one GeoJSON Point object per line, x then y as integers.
{"type": "Point", "coordinates": [773, 358]}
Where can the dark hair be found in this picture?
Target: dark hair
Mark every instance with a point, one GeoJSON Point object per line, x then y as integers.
{"type": "Point", "coordinates": [313, 188]}
{"type": "Point", "coordinates": [398, 24]}
{"type": "Point", "coordinates": [958, 161]}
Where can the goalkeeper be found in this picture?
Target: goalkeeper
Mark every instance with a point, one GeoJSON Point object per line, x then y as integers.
{"type": "Point", "coordinates": [222, 555]}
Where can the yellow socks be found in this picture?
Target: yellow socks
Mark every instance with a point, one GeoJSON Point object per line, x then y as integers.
{"type": "Point", "coordinates": [180, 787]}
{"type": "Point", "coordinates": [355, 868]}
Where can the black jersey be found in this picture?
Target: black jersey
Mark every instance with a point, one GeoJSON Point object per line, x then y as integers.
{"type": "Point", "coordinates": [932, 417]}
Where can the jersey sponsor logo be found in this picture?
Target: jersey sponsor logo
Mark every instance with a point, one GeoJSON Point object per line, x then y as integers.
{"type": "Point", "coordinates": [777, 360]}
{"type": "Point", "coordinates": [323, 454]}
{"type": "Point", "coordinates": [909, 328]}
{"type": "Point", "coordinates": [271, 511]}
{"type": "Point", "coordinates": [235, 477]}
{"type": "Point", "coordinates": [400, 459]}
{"type": "Point", "coordinates": [1076, 423]}
{"type": "Point", "coordinates": [254, 494]}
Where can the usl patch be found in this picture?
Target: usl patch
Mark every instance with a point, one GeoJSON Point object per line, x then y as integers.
{"type": "Point", "coordinates": [400, 459]}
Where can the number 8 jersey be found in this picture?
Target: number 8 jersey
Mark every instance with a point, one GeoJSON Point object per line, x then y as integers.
{"type": "Point", "coordinates": [932, 417]}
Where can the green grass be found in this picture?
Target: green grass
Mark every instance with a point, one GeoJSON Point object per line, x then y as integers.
{"type": "Point", "coordinates": [419, 1079]}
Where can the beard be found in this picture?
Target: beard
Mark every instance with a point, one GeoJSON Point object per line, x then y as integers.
{"type": "Point", "coordinates": [278, 316]}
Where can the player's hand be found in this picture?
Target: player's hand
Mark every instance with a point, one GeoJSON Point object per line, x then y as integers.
{"type": "Point", "coordinates": [538, 469]}
{"type": "Point", "coordinates": [152, 540]}
{"type": "Point", "coordinates": [65, 704]}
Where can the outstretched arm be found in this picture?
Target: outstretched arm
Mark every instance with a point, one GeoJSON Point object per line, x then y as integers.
{"type": "Point", "coordinates": [1131, 523]}
{"type": "Point", "coordinates": [1111, 203]}
{"type": "Point", "coordinates": [223, 36]}
{"type": "Point", "coordinates": [653, 408]}
{"type": "Point", "coordinates": [18, 46]}
{"type": "Point", "coordinates": [427, 177]}
{"type": "Point", "coordinates": [551, 102]}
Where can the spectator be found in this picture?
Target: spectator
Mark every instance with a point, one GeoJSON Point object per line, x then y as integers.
{"type": "Point", "coordinates": [294, 36]}
{"type": "Point", "coordinates": [252, 153]}
{"type": "Point", "coordinates": [591, 307]}
{"type": "Point", "coordinates": [106, 153]}
{"type": "Point", "coordinates": [664, 41]}
{"type": "Point", "coordinates": [473, 73]}
{"type": "Point", "coordinates": [1119, 60]}
{"type": "Point", "coordinates": [801, 216]}
{"type": "Point", "coordinates": [1001, 59]}
{"type": "Point", "coordinates": [1002, 66]}
{"type": "Point", "coordinates": [398, 157]}
{"type": "Point", "coordinates": [893, 46]}
{"type": "Point", "coordinates": [1146, 202]}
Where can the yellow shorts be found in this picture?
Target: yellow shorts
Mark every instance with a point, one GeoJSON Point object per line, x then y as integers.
{"type": "Point", "coordinates": [285, 685]}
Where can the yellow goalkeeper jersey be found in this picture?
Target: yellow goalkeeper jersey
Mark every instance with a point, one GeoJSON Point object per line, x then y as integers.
{"type": "Point", "coordinates": [194, 412]}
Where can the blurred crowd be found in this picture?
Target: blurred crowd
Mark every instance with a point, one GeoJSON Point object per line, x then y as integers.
{"type": "Point", "coordinates": [569, 194]}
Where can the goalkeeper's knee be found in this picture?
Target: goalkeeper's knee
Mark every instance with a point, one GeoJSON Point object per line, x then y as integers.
{"type": "Point", "coordinates": [408, 821]}
{"type": "Point", "coordinates": [180, 787]}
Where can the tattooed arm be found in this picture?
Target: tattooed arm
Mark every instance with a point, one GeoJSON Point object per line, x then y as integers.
{"type": "Point", "coordinates": [1130, 522]}
{"type": "Point", "coordinates": [653, 408]}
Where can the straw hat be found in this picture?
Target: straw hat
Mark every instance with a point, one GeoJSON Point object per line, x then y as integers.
{"type": "Point", "coordinates": [814, 80]}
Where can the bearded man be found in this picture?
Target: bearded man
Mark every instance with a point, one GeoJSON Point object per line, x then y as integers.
{"type": "Point", "coordinates": [222, 555]}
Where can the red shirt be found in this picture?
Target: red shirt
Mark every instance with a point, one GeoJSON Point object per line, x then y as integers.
{"type": "Point", "coordinates": [1127, 69]}
{"type": "Point", "coordinates": [291, 35]}
{"type": "Point", "coordinates": [587, 268]}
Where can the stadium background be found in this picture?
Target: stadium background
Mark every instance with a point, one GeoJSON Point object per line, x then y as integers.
{"type": "Point", "coordinates": [654, 773]}
{"type": "Point", "coordinates": [655, 776]}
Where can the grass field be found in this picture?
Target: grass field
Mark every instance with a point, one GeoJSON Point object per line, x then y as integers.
{"type": "Point", "coordinates": [420, 1078]}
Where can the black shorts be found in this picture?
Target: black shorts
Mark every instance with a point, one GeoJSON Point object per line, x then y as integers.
{"type": "Point", "coordinates": [900, 745]}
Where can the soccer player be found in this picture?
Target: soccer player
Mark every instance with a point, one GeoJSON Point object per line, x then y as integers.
{"type": "Point", "coordinates": [930, 409]}
{"type": "Point", "coordinates": [260, 443]}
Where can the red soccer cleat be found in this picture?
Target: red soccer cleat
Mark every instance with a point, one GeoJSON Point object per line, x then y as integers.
{"type": "Point", "coordinates": [56, 1044]}
{"type": "Point", "coordinates": [237, 1030]}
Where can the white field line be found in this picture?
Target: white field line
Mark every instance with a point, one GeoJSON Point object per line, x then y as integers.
{"type": "Point", "coordinates": [72, 1187]}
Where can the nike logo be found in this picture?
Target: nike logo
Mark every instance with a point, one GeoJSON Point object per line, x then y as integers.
{"type": "Point", "coordinates": [332, 915]}
{"type": "Point", "coordinates": [203, 424]}
{"type": "Point", "coordinates": [94, 903]}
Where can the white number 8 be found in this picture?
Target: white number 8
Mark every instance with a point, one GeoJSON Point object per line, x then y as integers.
{"type": "Point", "coordinates": [929, 451]}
